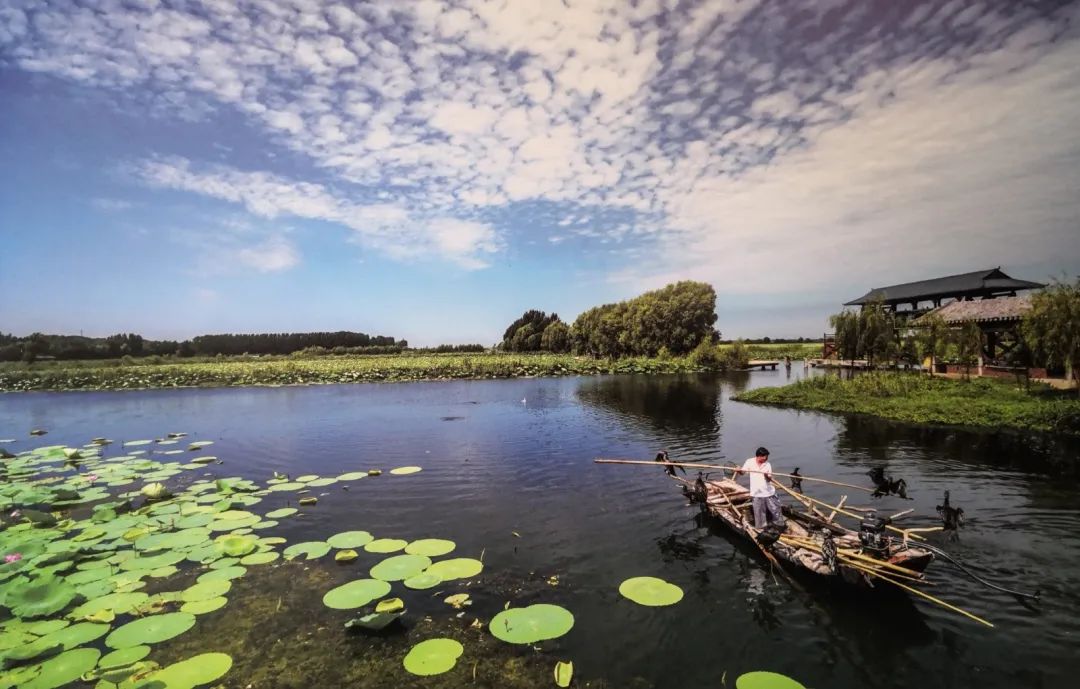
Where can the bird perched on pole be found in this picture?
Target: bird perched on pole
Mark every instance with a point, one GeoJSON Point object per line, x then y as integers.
{"type": "Point", "coordinates": [662, 456]}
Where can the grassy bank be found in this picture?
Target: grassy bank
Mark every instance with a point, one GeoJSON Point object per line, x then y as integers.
{"type": "Point", "coordinates": [919, 398]}
{"type": "Point", "coordinates": [327, 369]}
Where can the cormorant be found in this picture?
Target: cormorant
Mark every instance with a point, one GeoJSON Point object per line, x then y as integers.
{"type": "Point", "coordinates": [662, 456]}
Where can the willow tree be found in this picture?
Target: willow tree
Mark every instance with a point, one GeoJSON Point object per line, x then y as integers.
{"type": "Point", "coordinates": [933, 338]}
{"type": "Point", "coordinates": [968, 340]}
{"type": "Point", "coordinates": [846, 326]}
{"type": "Point", "coordinates": [1052, 327]}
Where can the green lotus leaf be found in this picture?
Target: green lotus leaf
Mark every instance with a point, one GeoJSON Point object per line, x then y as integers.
{"type": "Point", "coordinates": [385, 545]}
{"type": "Point", "coordinates": [162, 572]}
{"type": "Point", "coordinates": [311, 549]}
{"type": "Point", "coordinates": [207, 459]}
{"type": "Point", "coordinates": [432, 547]}
{"type": "Point", "coordinates": [201, 607]}
{"type": "Point", "coordinates": [175, 540]}
{"type": "Point", "coordinates": [118, 603]}
{"type": "Point", "coordinates": [137, 443]}
{"type": "Point", "coordinates": [352, 476]}
{"type": "Point", "coordinates": [374, 472]}
{"type": "Point", "coordinates": [199, 444]}
{"type": "Point", "coordinates": [124, 656]}
{"type": "Point", "coordinates": [433, 657]}
{"type": "Point", "coordinates": [222, 574]}
{"type": "Point", "coordinates": [651, 591]}
{"type": "Point", "coordinates": [390, 605]}
{"type": "Point", "coordinates": [236, 546]}
{"type": "Point", "coordinates": [85, 576]}
{"type": "Point", "coordinates": [46, 626]}
{"type": "Point", "coordinates": [308, 501]}
{"type": "Point", "coordinates": [400, 567]}
{"type": "Point", "coordinates": [150, 630]}
{"type": "Point", "coordinates": [531, 624]}
{"type": "Point", "coordinates": [155, 491]}
{"type": "Point", "coordinates": [405, 471]}
{"type": "Point", "coordinates": [322, 482]}
{"type": "Point", "coordinates": [281, 513]}
{"type": "Point", "coordinates": [424, 580]}
{"type": "Point", "coordinates": [288, 485]}
{"type": "Point", "coordinates": [766, 680]}
{"type": "Point", "coordinates": [307, 478]}
{"type": "Point", "coordinates": [76, 635]}
{"type": "Point", "coordinates": [564, 672]}
{"type": "Point", "coordinates": [143, 564]}
{"type": "Point", "coordinates": [456, 568]}
{"type": "Point", "coordinates": [355, 594]}
{"type": "Point", "coordinates": [266, 524]}
{"type": "Point", "coordinates": [64, 669]}
{"type": "Point", "coordinates": [193, 672]}
{"type": "Point", "coordinates": [458, 600]}
{"type": "Point", "coordinates": [206, 589]}
{"type": "Point", "coordinates": [39, 597]}
{"type": "Point", "coordinates": [350, 539]}
{"type": "Point", "coordinates": [260, 558]}
{"type": "Point", "coordinates": [347, 555]}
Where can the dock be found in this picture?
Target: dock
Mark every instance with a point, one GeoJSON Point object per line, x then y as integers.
{"type": "Point", "coordinates": [762, 364]}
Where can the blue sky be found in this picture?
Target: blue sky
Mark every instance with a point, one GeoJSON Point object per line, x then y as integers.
{"type": "Point", "coordinates": [431, 169]}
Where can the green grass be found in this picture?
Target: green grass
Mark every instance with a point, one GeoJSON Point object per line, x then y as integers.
{"type": "Point", "coordinates": [324, 369]}
{"type": "Point", "coordinates": [919, 398]}
{"type": "Point", "coordinates": [795, 350]}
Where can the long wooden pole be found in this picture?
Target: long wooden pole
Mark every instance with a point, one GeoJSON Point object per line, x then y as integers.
{"type": "Point", "coordinates": [906, 533]}
{"type": "Point", "coordinates": [699, 465]}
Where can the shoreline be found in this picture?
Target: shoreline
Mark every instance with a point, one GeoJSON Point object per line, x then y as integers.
{"type": "Point", "coordinates": [979, 403]}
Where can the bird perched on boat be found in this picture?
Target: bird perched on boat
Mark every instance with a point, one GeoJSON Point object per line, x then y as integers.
{"type": "Point", "coordinates": [828, 550]}
{"type": "Point", "coordinates": [796, 483]}
{"type": "Point", "coordinates": [662, 456]}
{"type": "Point", "coordinates": [700, 491]}
{"type": "Point", "coordinates": [884, 485]}
{"type": "Point", "coordinates": [952, 518]}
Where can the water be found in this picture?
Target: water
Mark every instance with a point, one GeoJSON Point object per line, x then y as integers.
{"type": "Point", "coordinates": [506, 457]}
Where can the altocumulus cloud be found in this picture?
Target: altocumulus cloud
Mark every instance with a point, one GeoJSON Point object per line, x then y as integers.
{"type": "Point", "coordinates": [734, 137]}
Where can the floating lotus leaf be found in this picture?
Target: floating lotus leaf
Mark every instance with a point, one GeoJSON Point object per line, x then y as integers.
{"type": "Point", "coordinates": [88, 575]}
{"type": "Point", "coordinates": [193, 521]}
{"type": "Point", "coordinates": [353, 476]}
{"type": "Point", "coordinates": [101, 616]}
{"type": "Point", "coordinates": [385, 545]}
{"type": "Point", "coordinates": [137, 443]}
{"type": "Point", "coordinates": [311, 549]}
{"type": "Point", "coordinates": [175, 540]}
{"type": "Point", "coordinates": [458, 600]}
{"type": "Point", "coordinates": [404, 471]}
{"type": "Point", "coordinates": [766, 680]}
{"type": "Point", "coordinates": [308, 501]}
{"type": "Point", "coordinates": [141, 564]}
{"type": "Point", "coordinates": [456, 568]}
{"type": "Point", "coordinates": [531, 624]}
{"type": "Point", "coordinates": [155, 491]}
{"type": "Point", "coordinates": [260, 558]}
{"type": "Point", "coordinates": [355, 594]}
{"type": "Point", "coordinates": [193, 672]}
{"type": "Point", "coordinates": [236, 546]}
{"type": "Point", "coordinates": [400, 567]}
{"type": "Point", "coordinates": [64, 668]}
{"type": "Point", "coordinates": [118, 603]}
{"type": "Point", "coordinates": [651, 591]}
{"type": "Point", "coordinates": [46, 626]}
{"type": "Point", "coordinates": [424, 580]}
{"type": "Point", "coordinates": [306, 478]}
{"type": "Point", "coordinates": [223, 574]}
{"type": "Point", "coordinates": [204, 460]}
{"type": "Point", "coordinates": [390, 605]}
{"type": "Point", "coordinates": [433, 657]}
{"type": "Point", "coordinates": [151, 630]}
{"type": "Point", "coordinates": [267, 524]}
{"type": "Point", "coordinates": [374, 472]}
{"type": "Point", "coordinates": [564, 672]}
{"type": "Point", "coordinates": [271, 540]}
{"type": "Point", "coordinates": [198, 444]}
{"type": "Point", "coordinates": [288, 485]}
{"type": "Point", "coordinates": [432, 547]}
{"type": "Point", "coordinates": [124, 656]}
{"type": "Point", "coordinates": [350, 539]}
{"type": "Point", "coordinates": [39, 597]}
{"type": "Point", "coordinates": [201, 607]}
{"type": "Point", "coordinates": [206, 589]}
{"type": "Point", "coordinates": [281, 513]}
{"type": "Point", "coordinates": [345, 555]}
{"type": "Point", "coordinates": [76, 635]}
{"type": "Point", "coordinates": [322, 482]}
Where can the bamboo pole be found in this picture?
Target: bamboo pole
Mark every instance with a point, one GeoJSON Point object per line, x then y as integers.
{"type": "Point", "coordinates": [832, 515]}
{"type": "Point", "coordinates": [932, 599]}
{"type": "Point", "coordinates": [904, 532]}
{"type": "Point", "coordinates": [698, 465]}
{"type": "Point", "coordinates": [772, 558]}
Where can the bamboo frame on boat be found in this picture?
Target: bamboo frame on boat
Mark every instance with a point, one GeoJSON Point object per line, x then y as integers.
{"type": "Point", "coordinates": [699, 465]}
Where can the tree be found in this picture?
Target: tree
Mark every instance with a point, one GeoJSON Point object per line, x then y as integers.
{"type": "Point", "coordinates": [933, 338]}
{"type": "Point", "coordinates": [846, 334]}
{"type": "Point", "coordinates": [556, 338]}
{"type": "Point", "coordinates": [33, 347]}
{"type": "Point", "coordinates": [515, 339]}
{"type": "Point", "coordinates": [968, 340]}
{"type": "Point", "coordinates": [876, 332]}
{"type": "Point", "coordinates": [1052, 327]}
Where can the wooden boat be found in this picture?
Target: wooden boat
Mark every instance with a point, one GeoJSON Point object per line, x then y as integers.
{"type": "Point", "coordinates": [801, 544]}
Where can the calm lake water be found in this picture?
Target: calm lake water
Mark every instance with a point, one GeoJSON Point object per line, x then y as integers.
{"type": "Point", "coordinates": [509, 456]}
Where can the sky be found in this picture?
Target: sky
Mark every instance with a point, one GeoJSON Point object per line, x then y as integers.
{"type": "Point", "coordinates": [431, 169]}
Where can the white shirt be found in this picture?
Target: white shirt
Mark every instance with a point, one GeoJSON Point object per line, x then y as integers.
{"type": "Point", "coordinates": [759, 487]}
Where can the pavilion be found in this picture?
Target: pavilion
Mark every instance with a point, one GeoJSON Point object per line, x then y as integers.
{"type": "Point", "coordinates": [981, 284]}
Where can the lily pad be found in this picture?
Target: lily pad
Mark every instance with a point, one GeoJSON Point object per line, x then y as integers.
{"type": "Point", "coordinates": [456, 568]}
{"type": "Point", "coordinates": [390, 605]}
{"type": "Point", "coordinates": [201, 607]}
{"type": "Point", "coordinates": [766, 680]}
{"type": "Point", "coordinates": [288, 485]}
{"type": "Point", "coordinates": [350, 539]}
{"type": "Point", "coordinates": [433, 657]}
{"type": "Point", "coordinates": [123, 656]}
{"type": "Point", "coordinates": [432, 547]}
{"type": "Point", "coordinates": [223, 574]}
{"type": "Point", "coordinates": [39, 597]}
{"type": "Point", "coordinates": [322, 482]}
{"type": "Point", "coordinates": [531, 624]}
{"type": "Point", "coordinates": [311, 549]}
{"type": "Point", "coordinates": [260, 558]}
{"type": "Point", "coordinates": [564, 672]}
{"type": "Point", "coordinates": [193, 672]}
{"type": "Point", "coordinates": [404, 471]}
{"type": "Point", "coordinates": [151, 630]}
{"type": "Point", "coordinates": [651, 591]}
{"type": "Point", "coordinates": [206, 589]}
{"type": "Point", "coordinates": [281, 513]}
{"type": "Point", "coordinates": [355, 594]}
{"type": "Point", "coordinates": [400, 567]}
{"type": "Point", "coordinates": [458, 600]}
{"type": "Point", "coordinates": [118, 603]}
{"type": "Point", "coordinates": [352, 476]}
{"type": "Point", "coordinates": [385, 545]}
{"type": "Point", "coordinates": [64, 668]}
{"type": "Point", "coordinates": [424, 580]}
{"type": "Point", "coordinates": [347, 555]}
{"type": "Point", "coordinates": [75, 635]}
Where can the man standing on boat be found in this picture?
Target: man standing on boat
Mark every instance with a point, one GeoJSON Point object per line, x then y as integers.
{"type": "Point", "coordinates": [766, 504]}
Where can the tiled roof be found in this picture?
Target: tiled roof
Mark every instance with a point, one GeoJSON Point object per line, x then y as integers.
{"type": "Point", "coordinates": [983, 310]}
{"type": "Point", "coordinates": [982, 281]}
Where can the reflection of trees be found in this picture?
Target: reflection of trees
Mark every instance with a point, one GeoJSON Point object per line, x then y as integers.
{"type": "Point", "coordinates": [866, 440]}
{"type": "Point", "coordinates": [673, 407]}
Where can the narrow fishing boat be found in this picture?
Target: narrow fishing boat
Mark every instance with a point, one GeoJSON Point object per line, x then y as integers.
{"type": "Point", "coordinates": [814, 542]}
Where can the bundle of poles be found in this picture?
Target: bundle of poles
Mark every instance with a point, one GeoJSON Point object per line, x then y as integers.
{"type": "Point", "coordinates": [873, 568]}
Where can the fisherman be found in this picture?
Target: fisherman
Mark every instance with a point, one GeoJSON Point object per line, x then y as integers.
{"type": "Point", "coordinates": [766, 504]}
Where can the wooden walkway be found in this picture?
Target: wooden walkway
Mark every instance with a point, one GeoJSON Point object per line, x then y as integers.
{"type": "Point", "coordinates": [762, 364]}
